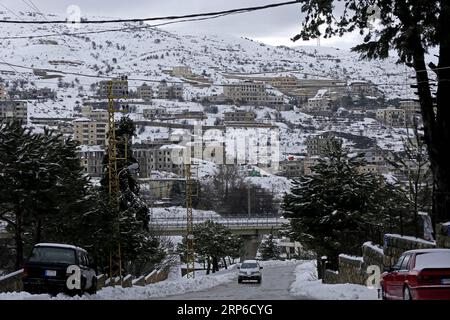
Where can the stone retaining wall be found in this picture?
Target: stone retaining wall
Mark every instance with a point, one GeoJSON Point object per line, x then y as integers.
{"type": "Point", "coordinates": [443, 235]}
{"type": "Point", "coordinates": [372, 255]}
{"type": "Point", "coordinates": [394, 246]}
{"type": "Point", "coordinates": [331, 277]}
{"type": "Point", "coordinates": [354, 269]}
{"type": "Point", "coordinates": [350, 269]}
{"type": "Point", "coordinates": [12, 282]}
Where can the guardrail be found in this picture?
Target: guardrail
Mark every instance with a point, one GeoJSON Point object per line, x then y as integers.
{"type": "Point", "coordinates": [232, 223]}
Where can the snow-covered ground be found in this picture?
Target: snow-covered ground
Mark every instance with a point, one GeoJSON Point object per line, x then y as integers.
{"type": "Point", "coordinates": [223, 284]}
{"type": "Point", "coordinates": [174, 285]}
{"type": "Point", "coordinates": [308, 286]}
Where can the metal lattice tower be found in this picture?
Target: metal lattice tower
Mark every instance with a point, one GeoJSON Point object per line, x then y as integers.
{"type": "Point", "coordinates": [190, 254]}
{"type": "Point", "coordinates": [115, 264]}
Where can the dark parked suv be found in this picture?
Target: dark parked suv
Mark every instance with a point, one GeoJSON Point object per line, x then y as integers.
{"type": "Point", "coordinates": [46, 270]}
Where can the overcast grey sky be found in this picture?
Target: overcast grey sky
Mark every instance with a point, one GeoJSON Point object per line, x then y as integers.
{"type": "Point", "coordinates": [274, 26]}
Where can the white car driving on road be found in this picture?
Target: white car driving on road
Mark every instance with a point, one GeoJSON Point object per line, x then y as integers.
{"type": "Point", "coordinates": [249, 270]}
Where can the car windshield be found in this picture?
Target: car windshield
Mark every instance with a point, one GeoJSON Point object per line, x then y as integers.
{"type": "Point", "coordinates": [249, 265]}
{"type": "Point", "coordinates": [52, 255]}
{"type": "Point", "coordinates": [432, 260]}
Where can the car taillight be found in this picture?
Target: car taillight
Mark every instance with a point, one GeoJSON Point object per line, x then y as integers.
{"type": "Point", "coordinates": [423, 278]}
{"type": "Point", "coordinates": [429, 278]}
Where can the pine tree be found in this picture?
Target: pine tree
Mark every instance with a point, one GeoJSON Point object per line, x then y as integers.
{"type": "Point", "coordinates": [334, 209]}
{"type": "Point", "coordinates": [41, 185]}
{"type": "Point", "coordinates": [213, 242]}
{"type": "Point", "coordinates": [411, 28]}
{"type": "Point", "coordinates": [269, 249]}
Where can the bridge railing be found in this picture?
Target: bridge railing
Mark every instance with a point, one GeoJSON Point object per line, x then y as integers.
{"type": "Point", "coordinates": [232, 222]}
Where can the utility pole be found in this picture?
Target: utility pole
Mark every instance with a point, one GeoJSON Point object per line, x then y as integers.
{"type": "Point", "coordinates": [190, 254]}
{"type": "Point", "coordinates": [249, 201]}
{"type": "Point", "coordinates": [115, 256]}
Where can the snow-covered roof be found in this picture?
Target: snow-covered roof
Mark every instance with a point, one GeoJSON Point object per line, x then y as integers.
{"type": "Point", "coordinates": [346, 256]}
{"type": "Point", "coordinates": [373, 246]}
{"type": "Point", "coordinates": [409, 238]}
{"type": "Point", "coordinates": [352, 82]}
{"type": "Point", "coordinates": [430, 250]}
{"type": "Point", "coordinates": [172, 146]}
{"type": "Point", "coordinates": [250, 261]}
{"type": "Point", "coordinates": [82, 119]}
{"type": "Point", "coordinates": [58, 245]}
{"type": "Point", "coordinates": [321, 93]}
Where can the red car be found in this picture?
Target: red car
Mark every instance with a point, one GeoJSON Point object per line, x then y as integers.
{"type": "Point", "coordinates": [418, 275]}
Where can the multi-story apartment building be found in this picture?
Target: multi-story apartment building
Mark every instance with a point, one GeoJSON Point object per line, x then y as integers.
{"type": "Point", "coordinates": [251, 93]}
{"type": "Point", "coordinates": [412, 110]}
{"type": "Point", "coordinates": [34, 94]}
{"type": "Point", "coordinates": [291, 168]}
{"type": "Point", "coordinates": [157, 158]}
{"type": "Point", "coordinates": [50, 122]}
{"type": "Point", "coordinates": [171, 92]}
{"type": "Point", "coordinates": [320, 102]}
{"type": "Point", "coordinates": [300, 88]}
{"type": "Point", "coordinates": [145, 92]}
{"type": "Point", "coordinates": [90, 132]}
{"type": "Point", "coordinates": [165, 191]}
{"type": "Point", "coordinates": [391, 116]}
{"type": "Point", "coordinates": [156, 112]}
{"type": "Point", "coordinates": [119, 88]}
{"type": "Point", "coordinates": [317, 145]}
{"type": "Point", "coordinates": [366, 88]}
{"type": "Point", "coordinates": [186, 114]}
{"type": "Point", "coordinates": [239, 116]}
{"type": "Point", "coordinates": [91, 159]}
{"type": "Point", "coordinates": [94, 114]}
{"type": "Point", "coordinates": [13, 109]}
{"type": "Point", "coordinates": [181, 71]}
{"type": "Point", "coordinates": [284, 83]}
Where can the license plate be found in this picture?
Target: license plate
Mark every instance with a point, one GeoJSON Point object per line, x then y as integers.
{"type": "Point", "coordinates": [445, 281]}
{"type": "Point", "coordinates": [50, 273]}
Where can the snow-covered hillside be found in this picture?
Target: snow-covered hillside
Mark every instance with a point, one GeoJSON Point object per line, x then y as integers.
{"type": "Point", "coordinates": [143, 53]}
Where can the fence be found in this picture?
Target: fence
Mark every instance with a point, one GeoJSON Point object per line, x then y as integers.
{"type": "Point", "coordinates": [233, 223]}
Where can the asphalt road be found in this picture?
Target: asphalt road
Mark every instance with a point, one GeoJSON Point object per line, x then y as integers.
{"type": "Point", "coordinates": [275, 286]}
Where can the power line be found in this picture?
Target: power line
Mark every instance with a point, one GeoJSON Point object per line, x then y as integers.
{"type": "Point", "coordinates": [174, 17]}
{"type": "Point", "coordinates": [30, 4]}
{"type": "Point", "coordinates": [133, 28]}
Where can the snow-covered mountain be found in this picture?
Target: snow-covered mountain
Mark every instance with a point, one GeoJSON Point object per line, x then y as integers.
{"type": "Point", "coordinates": [143, 52]}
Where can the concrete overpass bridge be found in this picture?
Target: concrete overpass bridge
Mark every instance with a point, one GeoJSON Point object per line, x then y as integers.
{"type": "Point", "coordinates": [251, 229]}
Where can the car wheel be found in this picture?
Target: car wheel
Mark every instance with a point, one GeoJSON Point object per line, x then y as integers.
{"type": "Point", "coordinates": [259, 280]}
{"type": "Point", "coordinates": [239, 280]}
{"type": "Point", "coordinates": [93, 288]}
{"type": "Point", "coordinates": [407, 293]}
{"type": "Point", "coordinates": [383, 293]}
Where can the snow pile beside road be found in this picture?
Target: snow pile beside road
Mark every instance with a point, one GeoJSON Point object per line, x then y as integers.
{"type": "Point", "coordinates": [156, 290]}
{"type": "Point", "coordinates": [162, 289]}
{"type": "Point", "coordinates": [308, 286]}
{"type": "Point", "coordinates": [23, 296]}
{"type": "Point", "coordinates": [278, 263]}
